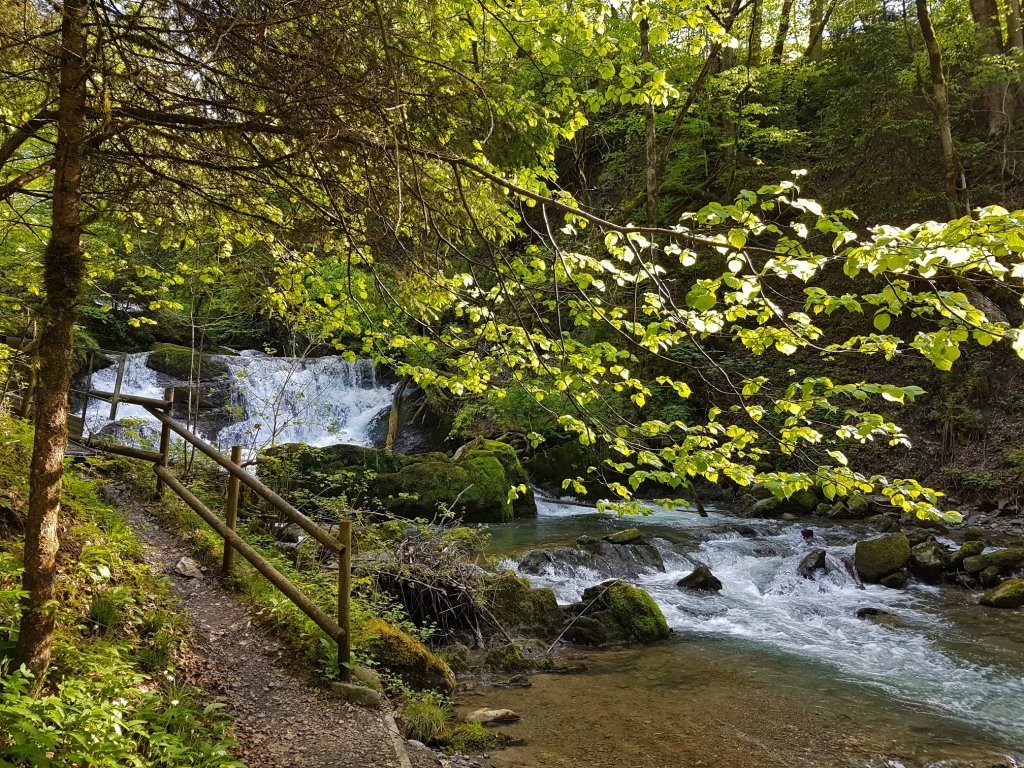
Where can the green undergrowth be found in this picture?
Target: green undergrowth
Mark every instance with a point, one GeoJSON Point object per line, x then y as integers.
{"type": "Point", "coordinates": [430, 718]}
{"type": "Point", "coordinates": [113, 695]}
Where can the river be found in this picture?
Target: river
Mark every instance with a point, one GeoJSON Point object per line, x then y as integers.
{"type": "Point", "coordinates": [776, 670]}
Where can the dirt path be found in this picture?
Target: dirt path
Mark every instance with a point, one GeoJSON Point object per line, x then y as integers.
{"type": "Point", "coordinates": [280, 720]}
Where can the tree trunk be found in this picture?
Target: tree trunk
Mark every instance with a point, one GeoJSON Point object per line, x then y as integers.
{"type": "Point", "coordinates": [783, 33]}
{"type": "Point", "coordinates": [990, 43]}
{"type": "Point", "coordinates": [650, 140]}
{"type": "Point", "coordinates": [940, 104]}
{"type": "Point", "coordinates": [815, 31]}
{"type": "Point", "coordinates": [754, 41]}
{"type": "Point", "coordinates": [62, 276]}
{"type": "Point", "coordinates": [1014, 33]}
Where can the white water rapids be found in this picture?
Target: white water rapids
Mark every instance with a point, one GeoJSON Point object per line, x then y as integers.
{"type": "Point", "coordinates": [765, 604]}
{"type": "Point", "coordinates": [273, 400]}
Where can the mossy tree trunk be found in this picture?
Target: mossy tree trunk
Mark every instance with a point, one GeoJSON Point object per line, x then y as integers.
{"type": "Point", "coordinates": [63, 272]}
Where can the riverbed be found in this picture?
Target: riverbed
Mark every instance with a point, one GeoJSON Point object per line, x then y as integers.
{"type": "Point", "coordinates": [776, 670]}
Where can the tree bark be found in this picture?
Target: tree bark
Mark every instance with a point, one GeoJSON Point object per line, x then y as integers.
{"type": "Point", "coordinates": [754, 40]}
{"type": "Point", "coordinates": [62, 277]}
{"type": "Point", "coordinates": [650, 139]}
{"type": "Point", "coordinates": [1014, 33]}
{"type": "Point", "coordinates": [940, 104]}
{"type": "Point", "coordinates": [817, 22]}
{"type": "Point", "coordinates": [990, 43]}
{"type": "Point", "coordinates": [783, 33]}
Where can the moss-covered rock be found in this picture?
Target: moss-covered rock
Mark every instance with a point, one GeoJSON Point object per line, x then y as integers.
{"type": "Point", "coordinates": [701, 580]}
{"type": "Point", "coordinates": [185, 363]}
{"type": "Point", "coordinates": [628, 613]}
{"type": "Point", "coordinates": [476, 484]}
{"type": "Point", "coordinates": [879, 557]}
{"type": "Point", "coordinates": [401, 653]}
{"type": "Point", "coordinates": [1004, 560]}
{"type": "Point", "coordinates": [628, 536]}
{"type": "Point", "coordinates": [1009, 594]}
{"type": "Point", "coordinates": [928, 560]}
{"type": "Point", "coordinates": [515, 605]}
{"type": "Point", "coordinates": [970, 548]}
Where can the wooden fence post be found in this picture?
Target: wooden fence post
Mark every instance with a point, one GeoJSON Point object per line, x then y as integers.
{"type": "Point", "coordinates": [344, 594]}
{"type": "Point", "coordinates": [231, 516]}
{"type": "Point", "coordinates": [165, 439]}
{"type": "Point", "coordinates": [121, 360]}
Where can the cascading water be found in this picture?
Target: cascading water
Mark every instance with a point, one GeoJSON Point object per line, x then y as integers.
{"type": "Point", "coordinates": [765, 604]}
{"type": "Point", "coordinates": [138, 380]}
{"type": "Point", "coordinates": [318, 401]}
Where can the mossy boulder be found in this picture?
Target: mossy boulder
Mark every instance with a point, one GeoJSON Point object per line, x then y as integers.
{"type": "Point", "coordinates": [515, 605]}
{"type": "Point", "coordinates": [476, 483]}
{"type": "Point", "coordinates": [628, 536]}
{"type": "Point", "coordinates": [970, 548]}
{"type": "Point", "coordinates": [882, 556]}
{"type": "Point", "coordinates": [928, 560]}
{"type": "Point", "coordinates": [399, 652]}
{"type": "Point", "coordinates": [1009, 594]}
{"type": "Point", "coordinates": [1004, 560]}
{"type": "Point", "coordinates": [625, 614]}
{"type": "Point", "coordinates": [185, 363]}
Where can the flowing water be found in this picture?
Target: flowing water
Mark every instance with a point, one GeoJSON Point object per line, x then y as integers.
{"type": "Point", "coordinates": [776, 667]}
{"type": "Point", "coordinates": [273, 400]}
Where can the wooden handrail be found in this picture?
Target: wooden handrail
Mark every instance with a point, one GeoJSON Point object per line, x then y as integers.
{"type": "Point", "coordinates": [145, 402]}
{"type": "Point", "coordinates": [274, 576]}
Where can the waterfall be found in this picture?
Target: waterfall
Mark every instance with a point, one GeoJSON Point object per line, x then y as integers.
{"type": "Point", "coordinates": [318, 401]}
{"type": "Point", "coordinates": [273, 400]}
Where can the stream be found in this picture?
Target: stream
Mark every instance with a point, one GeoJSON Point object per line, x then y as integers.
{"type": "Point", "coordinates": [774, 670]}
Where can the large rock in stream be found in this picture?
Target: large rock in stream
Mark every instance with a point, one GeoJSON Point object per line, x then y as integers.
{"type": "Point", "coordinates": [615, 612]}
{"type": "Point", "coordinates": [880, 557]}
{"type": "Point", "coordinates": [1002, 560]}
{"type": "Point", "coordinates": [475, 483]}
{"type": "Point", "coordinates": [1009, 594]}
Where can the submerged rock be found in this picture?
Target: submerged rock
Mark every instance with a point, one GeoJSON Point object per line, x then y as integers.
{"type": "Point", "coordinates": [401, 653]}
{"type": "Point", "coordinates": [616, 612]}
{"type": "Point", "coordinates": [701, 580]}
{"type": "Point", "coordinates": [882, 556]}
{"type": "Point", "coordinates": [879, 616]}
{"type": "Point", "coordinates": [813, 561]}
{"type": "Point", "coordinates": [1009, 594]}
